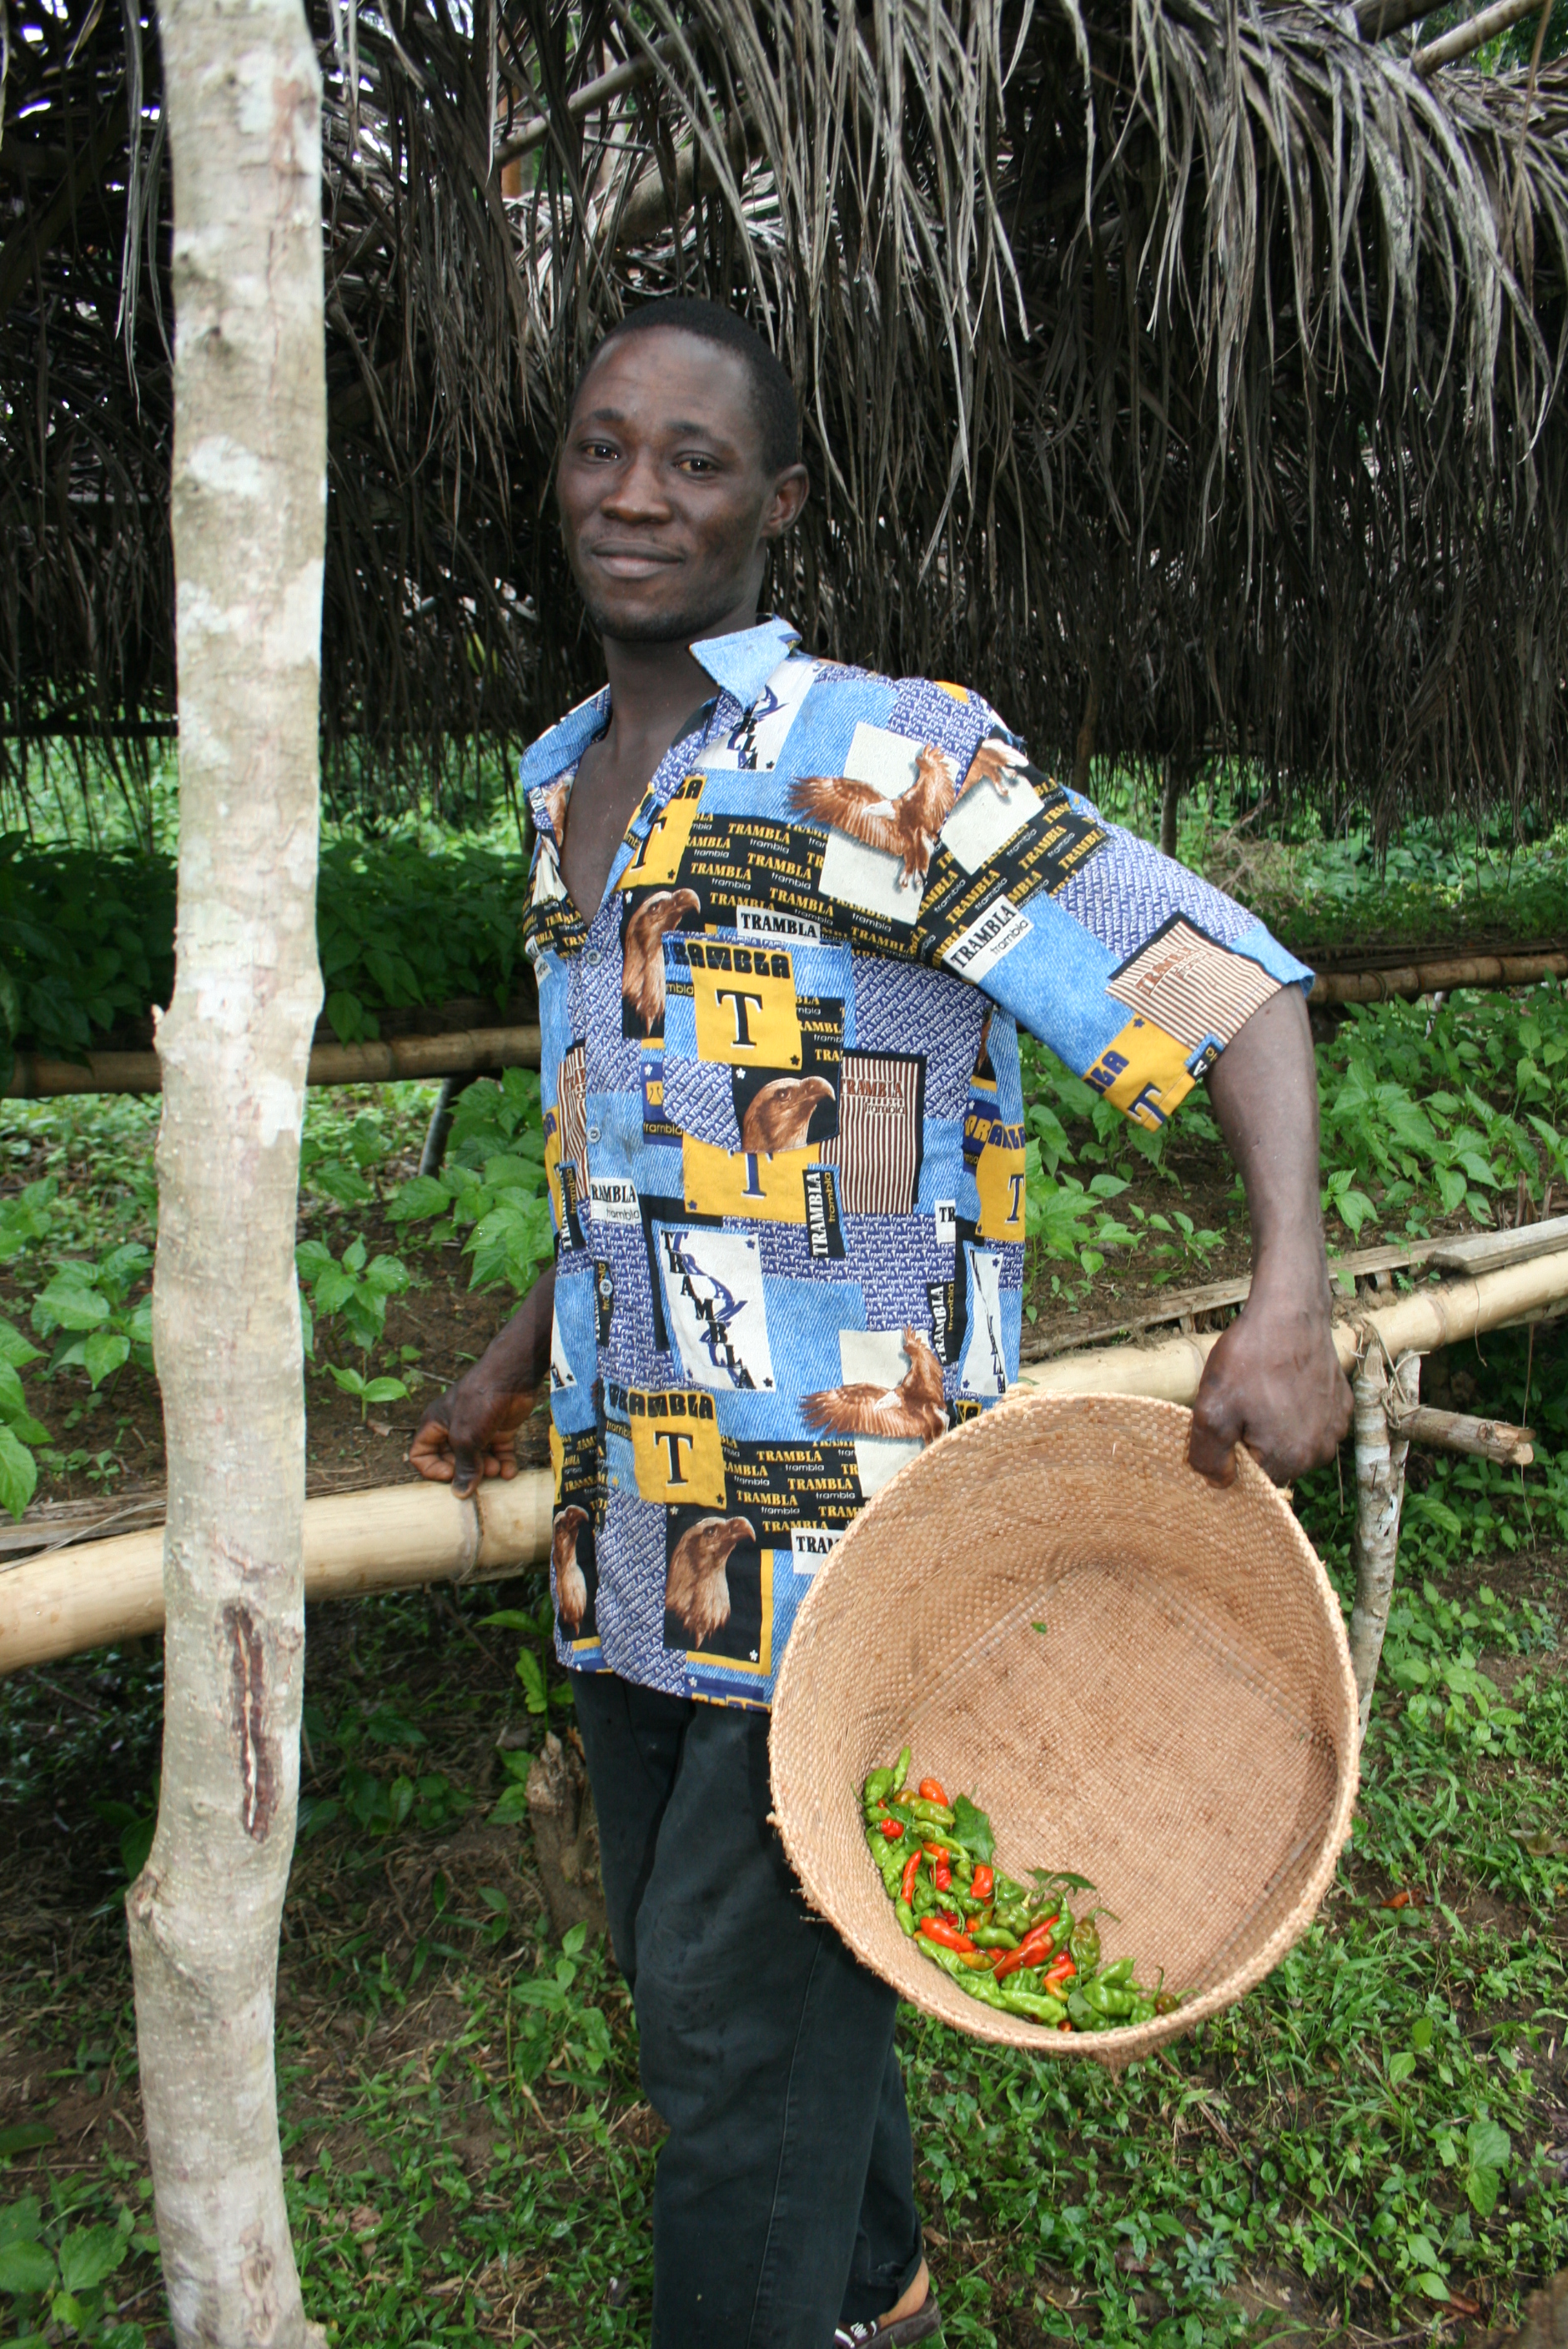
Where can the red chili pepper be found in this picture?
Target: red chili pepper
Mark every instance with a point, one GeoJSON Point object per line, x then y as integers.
{"type": "Point", "coordinates": [1404, 1901]}
{"type": "Point", "coordinates": [942, 1875]}
{"type": "Point", "coordinates": [931, 1790]}
{"type": "Point", "coordinates": [1062, 1972]}
{"type": "Point", "coordinates": [911, 1870]}
{"type": "Point", "coordinates": [983, 1879]}
{"type": "Point", "coordinates": [937, 1929]}
{"type": "Point", "coordinates": [934, 1851]}
{"type": "Point", "coordinates": [893, 1829]}
{"type": "Point", "coordinates": [1036, 1942]}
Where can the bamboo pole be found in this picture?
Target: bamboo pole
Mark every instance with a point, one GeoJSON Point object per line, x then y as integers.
{"type": "Point", "coordinates": [1411, 979]}
{"type": "Point", "coordinates": [461, 1050]}
{"type": "Point", "coordinates": [1417, 1323]}
{"type": "Point", "coordinates": [397, 1537]}
{"type": "Point", "coordinates": [391, 1538]}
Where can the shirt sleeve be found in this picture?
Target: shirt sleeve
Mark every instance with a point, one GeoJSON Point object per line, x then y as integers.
{"type": "Point", "coordinates": [1134, 970]}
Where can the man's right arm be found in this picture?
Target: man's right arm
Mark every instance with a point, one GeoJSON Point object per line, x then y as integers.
{"type": "Point", "coordinates": [466, 1434]}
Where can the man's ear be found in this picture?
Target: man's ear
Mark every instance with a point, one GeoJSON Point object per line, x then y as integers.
{"type": "Point", "coordinates": [790, 491]}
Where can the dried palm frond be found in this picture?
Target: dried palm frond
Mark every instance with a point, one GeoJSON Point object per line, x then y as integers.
{"type": "Point", "coordinates": [1186, 374]}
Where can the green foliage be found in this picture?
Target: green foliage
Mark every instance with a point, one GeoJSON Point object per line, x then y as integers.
{"type": "Point", "coordinates": [87, 939]}
{"type": "Point", "coordinates": [492, 1185]}
{"type": "Point", "coordinates": [351, 1291]}
{"type": "Point", "coordinates": [90, 1310]}
{"type": "Point", "coordinates": [19, 1431]}
{"type": "Point", "coordinates": [58, 2275]}
{"type": "Point", "coordinates": [86, 935]}
{"type": "Point", "coordinates": [1440, 881]}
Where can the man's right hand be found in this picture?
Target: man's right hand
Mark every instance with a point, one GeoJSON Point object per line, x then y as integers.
{"type": "Point", "coordinates": [466, 1434]}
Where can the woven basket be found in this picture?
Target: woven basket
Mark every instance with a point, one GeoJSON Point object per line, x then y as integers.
{"type": "Point", "coordinates": [1183, 1732]}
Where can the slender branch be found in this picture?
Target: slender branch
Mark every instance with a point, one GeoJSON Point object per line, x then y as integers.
{"type": "Point", "coordinates": [598, 92]}
{"type": "Point", "coordinates": [1464, 38]}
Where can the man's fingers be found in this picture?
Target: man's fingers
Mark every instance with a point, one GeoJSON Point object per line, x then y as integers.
{"type": "Point", "coordinates": [430, 1453]}
{"type": "Point", "coordinates": [1217, 1421]}
{"type": "Point", "coordinates": [468, 1469]}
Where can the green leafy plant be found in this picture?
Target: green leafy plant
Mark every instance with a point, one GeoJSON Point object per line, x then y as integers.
{"type": "Point", "coordinates": [25, 1216]}
{"type": "Point", "coordinates": [90, 1311]}
{"type": "Point", "coordinates": [369, 1390]}
{"type": "Point", "coordinates": [86, 935]}
{"type": "Point", "coordinates": [351, 1291]}
{"type": "Point", "coordinates": [19, 1431]}
{"type": "Point", "coordinates": [492, 1185]}
{"type": "Point", "coordinates": [56, 2275]}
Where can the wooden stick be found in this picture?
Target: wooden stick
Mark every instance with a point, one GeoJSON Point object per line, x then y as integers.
{"type": "Point", "coordinates": [1465, 38]}
{"type": "Point", "coordinates": [1411, 979]}
{"type": "Point", "coordinates": [1456, 1431]}
{"type": "Point", "coordinates": [1377, 20]}
{"type": "Point", "coordinates": [461, 1050]}
{"type": "Point", "coordinates": [392, 1539]}
{"type": "Point", "coordinates": [1380, 1456]}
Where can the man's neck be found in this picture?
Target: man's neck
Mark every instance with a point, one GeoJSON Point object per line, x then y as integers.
{"type": "Point", "coordinates": [653, 687]}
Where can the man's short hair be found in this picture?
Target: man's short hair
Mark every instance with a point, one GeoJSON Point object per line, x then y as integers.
{"type": "Point", "coordinates": [772, 393]}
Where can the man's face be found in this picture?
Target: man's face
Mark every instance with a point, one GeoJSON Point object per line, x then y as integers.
{"type": "Point", "coordinates": [666, 507]}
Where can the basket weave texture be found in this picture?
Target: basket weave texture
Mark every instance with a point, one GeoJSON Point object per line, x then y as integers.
{"type": "Point", "coordinates": [1183, 1732]}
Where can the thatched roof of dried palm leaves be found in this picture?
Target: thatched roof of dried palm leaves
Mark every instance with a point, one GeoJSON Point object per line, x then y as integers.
{"type": "Point", "coordinates": [1190, 366]}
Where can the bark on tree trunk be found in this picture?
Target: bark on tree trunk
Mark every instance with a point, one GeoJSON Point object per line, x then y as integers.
{"type": "Point", "coordinates": [1379, 1495]}
{"type": "Point", "coordinates": [248, 503]}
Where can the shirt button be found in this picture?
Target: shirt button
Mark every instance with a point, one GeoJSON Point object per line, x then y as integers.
{"type": "Point", "coordinates": [592, 1134]}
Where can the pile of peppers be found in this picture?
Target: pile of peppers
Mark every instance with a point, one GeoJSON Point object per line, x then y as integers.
{"type": "Point", "coordinates": [1010, 1945]}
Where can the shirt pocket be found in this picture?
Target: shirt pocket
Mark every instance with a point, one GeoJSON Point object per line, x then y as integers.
{"type": "Point", "coordinates": [754, 1041]}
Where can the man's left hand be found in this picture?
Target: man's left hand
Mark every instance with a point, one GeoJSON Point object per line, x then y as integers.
{"type": "Point", "coordinates": [1273, 1383]}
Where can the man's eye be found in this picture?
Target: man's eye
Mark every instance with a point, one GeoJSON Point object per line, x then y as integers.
{"type": "Point", "coordinates": [698, 465]}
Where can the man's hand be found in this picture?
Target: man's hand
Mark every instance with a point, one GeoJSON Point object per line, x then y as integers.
{"type": "Point", "coordinates": [1273, 1383]}
{"type": "Point", "coordinates": [467, 1435]}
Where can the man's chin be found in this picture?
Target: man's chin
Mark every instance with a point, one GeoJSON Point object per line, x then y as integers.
{"type": "Point", "coordinates": [628, 625]}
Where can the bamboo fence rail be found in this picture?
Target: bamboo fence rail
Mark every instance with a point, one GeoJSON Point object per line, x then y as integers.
{"type": "Point", "coordinates": [398, 1536]}
{"type": "Point", "coordinates": [457, 1052]}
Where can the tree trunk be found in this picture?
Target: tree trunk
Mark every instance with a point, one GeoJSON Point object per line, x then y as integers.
{"type": "Point", "coordinates": [248, 503]}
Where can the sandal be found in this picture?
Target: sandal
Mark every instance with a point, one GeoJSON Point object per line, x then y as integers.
{"type": "Point", "coordinates": [923, 2326]}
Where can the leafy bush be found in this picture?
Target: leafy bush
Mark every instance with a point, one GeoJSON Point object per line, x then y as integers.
{"type": "Point", "coordinates": [492, 1184]}
{"type": "Point", "coordinates": [86, 935]}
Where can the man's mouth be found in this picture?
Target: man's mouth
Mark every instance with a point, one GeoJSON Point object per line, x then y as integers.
{"type": "Point", "coordinates": [632, 562]}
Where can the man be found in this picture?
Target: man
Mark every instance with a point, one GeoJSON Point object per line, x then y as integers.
{"type": "Point", "coordinates": [784, 917]}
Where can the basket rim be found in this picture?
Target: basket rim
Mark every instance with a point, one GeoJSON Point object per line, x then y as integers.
{"type": "Point", "coordinates": [791, 1691]}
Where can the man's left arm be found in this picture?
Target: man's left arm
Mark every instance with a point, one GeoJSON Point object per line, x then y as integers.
{"type": "Point", "coordinates": [1274, 1381]}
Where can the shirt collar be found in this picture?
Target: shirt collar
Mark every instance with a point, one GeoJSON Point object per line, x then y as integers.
{"type": "Point", "coordinates": [743, 662]}
{"type": "Point", "coordinates": [564, 744]}
{"type": "Point", "coordinates": [740, 665]}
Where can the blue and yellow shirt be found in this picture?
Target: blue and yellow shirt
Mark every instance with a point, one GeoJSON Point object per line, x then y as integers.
{"type": "Point", "coordinates": [784, 1121]}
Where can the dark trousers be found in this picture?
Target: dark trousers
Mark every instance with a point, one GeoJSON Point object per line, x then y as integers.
{"type": "Point", "coordinates": [784, 2202]}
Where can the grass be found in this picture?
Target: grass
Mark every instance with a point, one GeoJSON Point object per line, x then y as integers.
{"type": "Point", "coordinates": [1369, 2146]}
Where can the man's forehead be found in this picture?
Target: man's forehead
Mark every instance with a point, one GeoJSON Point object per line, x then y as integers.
{"type": "Point", "coordinates": [715, 395]}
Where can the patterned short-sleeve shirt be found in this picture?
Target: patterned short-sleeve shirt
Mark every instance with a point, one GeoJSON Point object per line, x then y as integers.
{"type": "Point", "coordinates": [784, 1126]}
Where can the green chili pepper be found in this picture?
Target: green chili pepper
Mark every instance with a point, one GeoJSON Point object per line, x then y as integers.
{"type": "Point", "coordinates": [1039, 2007]}
{"type": "Point", "coordinates": [1115, 1977]}
{"type": "Point", "coordinates": [901, 1768]}
{"type": "Point", "coordinates": [879, 1783]}
{"type": "Point", "coordinates": [1084, 1943]}
{"type": "Point", "coordinates": [905, 1915]}
{"type": "Point", "coordinates": [918, 1807]}
{"type": "Point", "coordinates": [978, 1984]}
{"type": "Point", "coordinates": [993, 1937]}
{"type": "Point", "coordinates": [1117, 2004]}
{"type": "Point", "coordinates": [1143, 2011]}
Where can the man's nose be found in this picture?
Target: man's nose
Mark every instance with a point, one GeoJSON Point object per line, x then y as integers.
{"type": "Point", "coordinates": [639, 493]}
